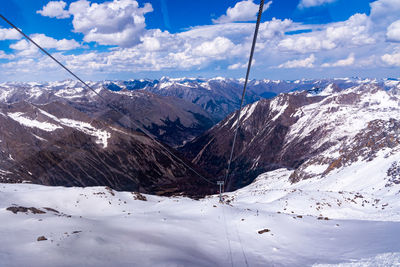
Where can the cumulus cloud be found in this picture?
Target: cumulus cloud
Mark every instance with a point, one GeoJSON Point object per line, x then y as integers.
{"type": "Point", "coordinates": [49, 42]}
{"type": "Point", "coordinates": [393, 32]}
{"type": "Point", "coordinates": [215, 48]}
{"type": "Point", "coordinates": [342, 62]}
{"type": "Point", "coordinates": [391, 59]}
{"type": "Point", "coordinates": [26, 48]}
{"type": "Point", "coordinates": [55, 9]}
{"type": "Point", "coordinates": [299, 63]}
{"type": "Point", "coordinates": [120, 22]}
{"type": "Point", "coordinates": [383, 12]}
{"type": "Point", "coordinates": [353, 32]}
{"type": "Point", "coordinates": [9, 34]}
{"type": "Point", "coordinates": [117, 22]}
{"type": "Point", "coordinates": [274, 28]}
{"type": "Point", "coordinates": [243, 11]}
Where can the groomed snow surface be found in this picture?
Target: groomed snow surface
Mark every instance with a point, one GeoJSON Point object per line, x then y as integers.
{"type": "Point", "coordinates": [339, 220]}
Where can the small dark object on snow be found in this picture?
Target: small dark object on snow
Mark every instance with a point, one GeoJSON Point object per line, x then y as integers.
{"type": "Point", "coordinates": [138, 196]}
{"type": "Point", "coordinates": [323, 218]}
{"type": "Point", "coordinates": [110, 190]}
{"type": "Point", "coordinates": [17, 209]}
{"type": "Point", "coordinates": [264, 231]}
{"type": "Point", "coordinates": [41, 238]}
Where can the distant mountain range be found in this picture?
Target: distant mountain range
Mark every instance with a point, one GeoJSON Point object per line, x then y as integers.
{"type": "Point", "coordinates": [59, 133]}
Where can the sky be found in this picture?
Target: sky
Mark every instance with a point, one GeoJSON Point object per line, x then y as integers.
{"type": "Point", "coordinates": [134, 39]}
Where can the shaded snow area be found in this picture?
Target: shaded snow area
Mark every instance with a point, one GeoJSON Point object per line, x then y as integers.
{"type": "Point", "coordinates": [348, 218]}
{"type": "Point", "coordinates": [100, 135]}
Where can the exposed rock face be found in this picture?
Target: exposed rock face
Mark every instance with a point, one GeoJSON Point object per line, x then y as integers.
{"type": "Point", "coordinates": [312, 134]}
{"type": "Point", "coordinates": [56, 144]}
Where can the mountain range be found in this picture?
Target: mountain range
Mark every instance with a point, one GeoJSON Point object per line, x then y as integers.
{"type": "Point", "coordinates": [59, 133]}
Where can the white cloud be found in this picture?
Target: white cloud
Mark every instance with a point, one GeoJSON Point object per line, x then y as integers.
{"type": "Point", "coordinates": [242, 11]}
{"type": "Point", "coordinates": [3, 55]}
{"type": "Point", "coordinates": [25, 48]}
{"type": "Point", "coordinates": [393, 32]}
{"type": "Point", "coordinates": [28, 49]}
{"type": "Point", "coordinates": [21, 45]}
{"type": "Point", "coordinates": [9, 34]}
{"type": "Point", "coordinates": [237, 66]}
{"type": "Point", "coordinates": [353, 32]}
{"type": "Point", "coordinates": [299, 63]}
{"type": "Point", "coordinates": [342, 62]}
{"type": "Point", "coordinates": [313, 3]}
{"type": "Point", "coordinates": [215, 48]}
{"type": "Point", "coordinates": [391, 59]}
{"type": "Point", "coordinates": [120, 22]}
{"type": "Point", "coordinates": [151, 43]}
{"type": "Point", "coordinates": [240, 65]}
{"type": "Point", "coordinates": [55, 9]}
{"type": "Point", "coordinates": [49, 42]}
{"type": "Point", "coordinates": [274, 28]}
{"type": "Point", "coordinates": [306, 44]}
{"type": "Point", "coordinates": [383, 12]}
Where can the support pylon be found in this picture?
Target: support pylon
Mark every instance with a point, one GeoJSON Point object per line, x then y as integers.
{"type": "Point", "coordinates": [220, 183]}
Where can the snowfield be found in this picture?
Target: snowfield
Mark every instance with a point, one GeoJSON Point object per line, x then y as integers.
{"type": "Point", "coordinates": [340, 220]}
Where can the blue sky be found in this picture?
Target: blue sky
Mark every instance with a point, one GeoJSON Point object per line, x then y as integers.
{"type": "Point", "coordinates": [128, 39]}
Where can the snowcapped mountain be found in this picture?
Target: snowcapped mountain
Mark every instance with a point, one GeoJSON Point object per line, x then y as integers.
{"type": "Point", "coordinates": [312, 134]}
{"type": "Point", "coordinates": [327, 127]}
{"type": "Point", "coordinates": [220, 96]}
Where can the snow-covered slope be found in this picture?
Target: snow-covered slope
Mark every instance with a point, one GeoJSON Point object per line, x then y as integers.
{"type": "Point", "coordinates": [268, 223]}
